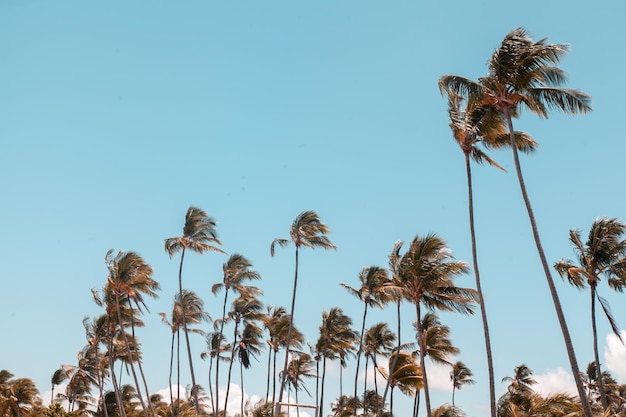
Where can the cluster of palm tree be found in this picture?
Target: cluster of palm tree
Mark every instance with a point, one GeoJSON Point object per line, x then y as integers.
{"type": "Point", "coordinates": [522, 74]}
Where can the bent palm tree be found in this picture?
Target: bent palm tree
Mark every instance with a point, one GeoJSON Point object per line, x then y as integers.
{"type": "Point", "coordinates": [405, 374]}
{"type": "Point", "coordinates": [523, 73]}
{"type": "Point", "coordinates": [309, 231]}
{"type": "Point", "coordinates": [471, 126]}
{"type": "Point", "coordinates": [603, 255]}
{"type": "Point", "coordinates": [200, 236]}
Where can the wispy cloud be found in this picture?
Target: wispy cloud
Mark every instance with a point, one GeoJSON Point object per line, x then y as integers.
{"type": "Point", "coordinates": [615, 356]}
{"type": "Point", "coordinates": [555, 381]}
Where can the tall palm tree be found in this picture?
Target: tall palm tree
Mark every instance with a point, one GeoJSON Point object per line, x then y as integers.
{"type": "Point", "coordinates": [378, 340]}
{"type": "Point", "coordinates": [217, 349]}
{"type": "Point", "coordinates": [200, 236]}
{"type": "Point", "coordinates": [523, 73]}
{"type": "Point", "coordinates": [603, 255]}
{"type": "Point", "coordinates": [427, 271]}
{"type": "Point", "coordinates": [237, 270]}
{"type": "Point", "coordinates": [460, 375]}
{"type": "Point", "coordinates": [250, 345]}
{"type": "Point", "coordinates": [131, 277]}
{"type": "Point", "coordinates": [336, 340]}
{"type": "Point", "coordinates": [309, 231]}
{"type": "Point", "coordinates": [194, 313]}
{"type": "Point", "coordinates": [371, 293]}
{"type": "Point", "coordinates": [470, 126]}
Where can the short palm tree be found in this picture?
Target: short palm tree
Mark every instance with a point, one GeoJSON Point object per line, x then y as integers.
{"type": "Point", "coordinates": [460, 375]}
{"type": "Point", "coordinates": [217, 349]}
{"type": "Point", "coordinates": [300, 367]}
{"type": "Point", "coordinates": [405, 374]}
{"type": "Point", "coordinates": [603, 255]}
{"type": "Point", "coordinates": [372, 293]}
{"type": "Point", "coordinates": [307, 230]}
{"type": "Point", "coordinates": [200, 236]}
{"type": "Point", "coordinates": [523, 73]}
{"type": "Point", "coordinates": [426, 278]}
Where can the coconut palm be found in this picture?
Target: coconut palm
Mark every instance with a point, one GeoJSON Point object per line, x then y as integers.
{"type": "Point", "coordinates": [18, 396]}
{"type": "Point", "coordinates": [523, 73]}
{"type": "Point", "coordinates": [130, 277]}
{"type": "Point", "coordinates": [58, 377]}
{"type": "Point", "coordinates": [603, 255]}
{"type": "Point", "coordinates": [427, 271]}
{"type": "Point", "coordinates": [194, 313]}
{"type": "Point", "coordinates": [336, 340]}
{"type": "Point", "coordinates": [460, 375]}
{"type": "Point", "coordinates": [378, 340]}
{"type": "Point", "coordinates": [307, 230]}
{"type": "Point", "coordinates": [250, 345]}
{"type": "Point", "coordinates": [200, 236]}
{"type": "Point", "coordinates": [371, 293]}
{"type": "Point", "coordinates": [237, 270]}
{"type": "Point", "coordinates": [217, 349]}
{"type": "Point", "coordinates": [300, 367]}
{"type": "Point", "coordinates": [405, 374]}
{"type": "Point", "coordinates": [471, 126]}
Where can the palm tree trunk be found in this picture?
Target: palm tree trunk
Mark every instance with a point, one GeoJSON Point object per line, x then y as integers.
{"type": "Point", "coordinates": [317, 386]}
{"type": "Point", "coordinates": [170, 375]}
{"type": "Point", "coordinates": [241, 380]}
{"type": "Point", "coordinates": [481, 297]}
{"type": "Point", "coordinates": [217, 364]}
{"type": "Point", "coordinates": [393, 364]}
{"type": "Point", "coordinates": [603, 399]}
{"type": "Point", "coordinates": [269, 369]}
{"type": "Point", "coordinates": [555, 297]}
{"type": "Point", "coordinates": [210, 381]}
{"type": "Point", "coordinates": [422, 345]}
{"type": "Point", "coordinates": [130, 354]}
{"type": "Point", "coordinates": [453, 389]}
{"type": "Point", "coordinates": [193, 375]}
{"type": "Point", "coordinates": [321, 404]}
{"type": "Point", "coordinates": [230, 367]}
{"type": "Point", "coordinates": [116, 388]}
{"type": "Point", "coordinates": [139, 365]}
{"type": "Point", "coordinates": [358, 356]}
{"type": "Point", "coordinates": [274, 377]}
{"type": "Point", "coordinates": [288, 343]}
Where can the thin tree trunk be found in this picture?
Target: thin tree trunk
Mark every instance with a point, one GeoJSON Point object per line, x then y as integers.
{"type": "Point", "coordinates": [422, 345]}
{"type": "Point", "coordinates": [193, 375]}
{"type": "Point", "coordinates": [217, 364]}
{"type": "Point", "coordinates": [288, 343]}
{"type": "Point", "coordinates": [395, 359]}
{"type": "Point", "coordinates": [453, 389]}
{"type": "Point", "coordinates": [481, 297]}
{"type": "Point", "coordinates": [358, 356]}
{"type": "Point", "coordinates": [241, 379]}
{"type": "Point", "coordinates": [116, 388]}
{"type": "Point", "coordinates": [170, 375]}
{"type": "Point", "coordinates": [321, 404]}
{"type": "Point", "coordinates": [130, 354]}
{"type": "Point", "coordinates": [274, 377]}
{"type": "Point", "coordinates": [210, 381]}
{"type": "Point", "coordinates": [317, 386]}
{"type": "Point", "coordinates": [230, 367]}
{"type": "Point", "coordinates": [269, 369]}
{"type": "Point", "coordinates": [603, 399]}
{"type": "Point", "coordinates": [143, 376]}
{"type": "Point", "coordinates": [546, 268]}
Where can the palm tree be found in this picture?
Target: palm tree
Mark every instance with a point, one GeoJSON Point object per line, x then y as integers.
{"type": "Point", "coordinates": [250, 345]}
{"type": "Point", "coordinates": [57, 378]}
{"type": "Point", "coordinates": [200, 236]}
{"type": "Point", "coordinates": [460, 375]}
{"type": "Point", "coordinates": [603, 255]}
{"type": "Point", "coordinates": [471, 126]}
{"type": "Point", "coordinates": [130, 277]}
{"type": "Point", "coordinates": [18, 396]}
{"type": "Point", "coordinates": [193, 307]}
{"type": "Point", "coordinates": [237, 270]}
{"type": "Point", "coordinates": [378, 340]}
{"type": "Point", "coordinates": [300, 367]}
{"type": "Point", "coordinates": [309, 231]}
{"type": "Point", "coordinates": [427, 272]}
{"type": "Point", "coordinates": [405, 374]}
{"type": "Point", "coordinates": [217, 349]}
{"type": "Point", "coordinates": [371, 293]}
{"type": "Point", "coordinates": [523, 73]}
{"type": "Point", "coordinates": [336, 340]}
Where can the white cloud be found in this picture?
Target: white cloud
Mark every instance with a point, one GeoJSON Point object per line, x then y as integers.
{"type": "Point", "coordinates": [555, 381]}
{"type": "Point", "coordinates": [615, 356]}
{"type": "Point", "coordinates": [438, 376]}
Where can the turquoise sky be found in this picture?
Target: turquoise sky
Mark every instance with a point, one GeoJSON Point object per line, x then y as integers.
{"type": "Point", "coordinates": [116, 116]}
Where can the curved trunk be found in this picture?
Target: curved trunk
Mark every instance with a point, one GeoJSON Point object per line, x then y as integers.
{"type": "Point", "coordinates": [193, 375]}
{"type": "Point", "coordinates": [170, 375]}
{"type": "Point", "coordinates": [288, 343]}
{"type": "Point", "coordinates": [546, 268]}
{"type": "Point", "coordinates": [603, 399]}
{"type": "Point", "coordinates": [358, 356]}
{"type": "Point", "coordinates": [481, 298]}
{"type": "Point", "coordinates": [143, 375]}
{"type": "Point", "coordinates": [422, 346]}
{"type": "Point", "coordinates": [393, 364]}
{"type": "Point", "coordinates": [116, 388]}
{"type": "Point", "coordinates": [230, 367]}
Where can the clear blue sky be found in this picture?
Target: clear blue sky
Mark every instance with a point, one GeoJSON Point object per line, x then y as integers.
{"type": "Point", "coordinates": [116, 116]}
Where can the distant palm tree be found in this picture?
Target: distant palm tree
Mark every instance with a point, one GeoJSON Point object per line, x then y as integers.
{"type": "Point", "coordinates": [237, 270]}
{"type": "Point", "coordinates": [309, 231]}
{"type": "Point", "coordinates": [18, 396]}
{"type": "Point", "coordinates": [200, 236]}
{"type": "Point", "coordinates": [217, 349]}
{"type": "Point", "coordinates": [371, 293]}
{"type": "Point", "coordinates": [336, 340]}
{"type": "Point", "coordinates": [427, 271]}
{"type": "Point", "coordinates": [405, 374]}
{"type": "Point", "coordinates": [57, 378]}
{"type": "Point", "coordinates": [523, 73]}
{"type": "Point", "coordinates": [300, 367]}
{"type": "Point", "coordinates": [378, 340]}
{"type": "Point", "coordinates": [470, 126]}
{"type": "Point", "coordinates": [460, 375]}
{"type": "Point", "coordinates": [603, 255]}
